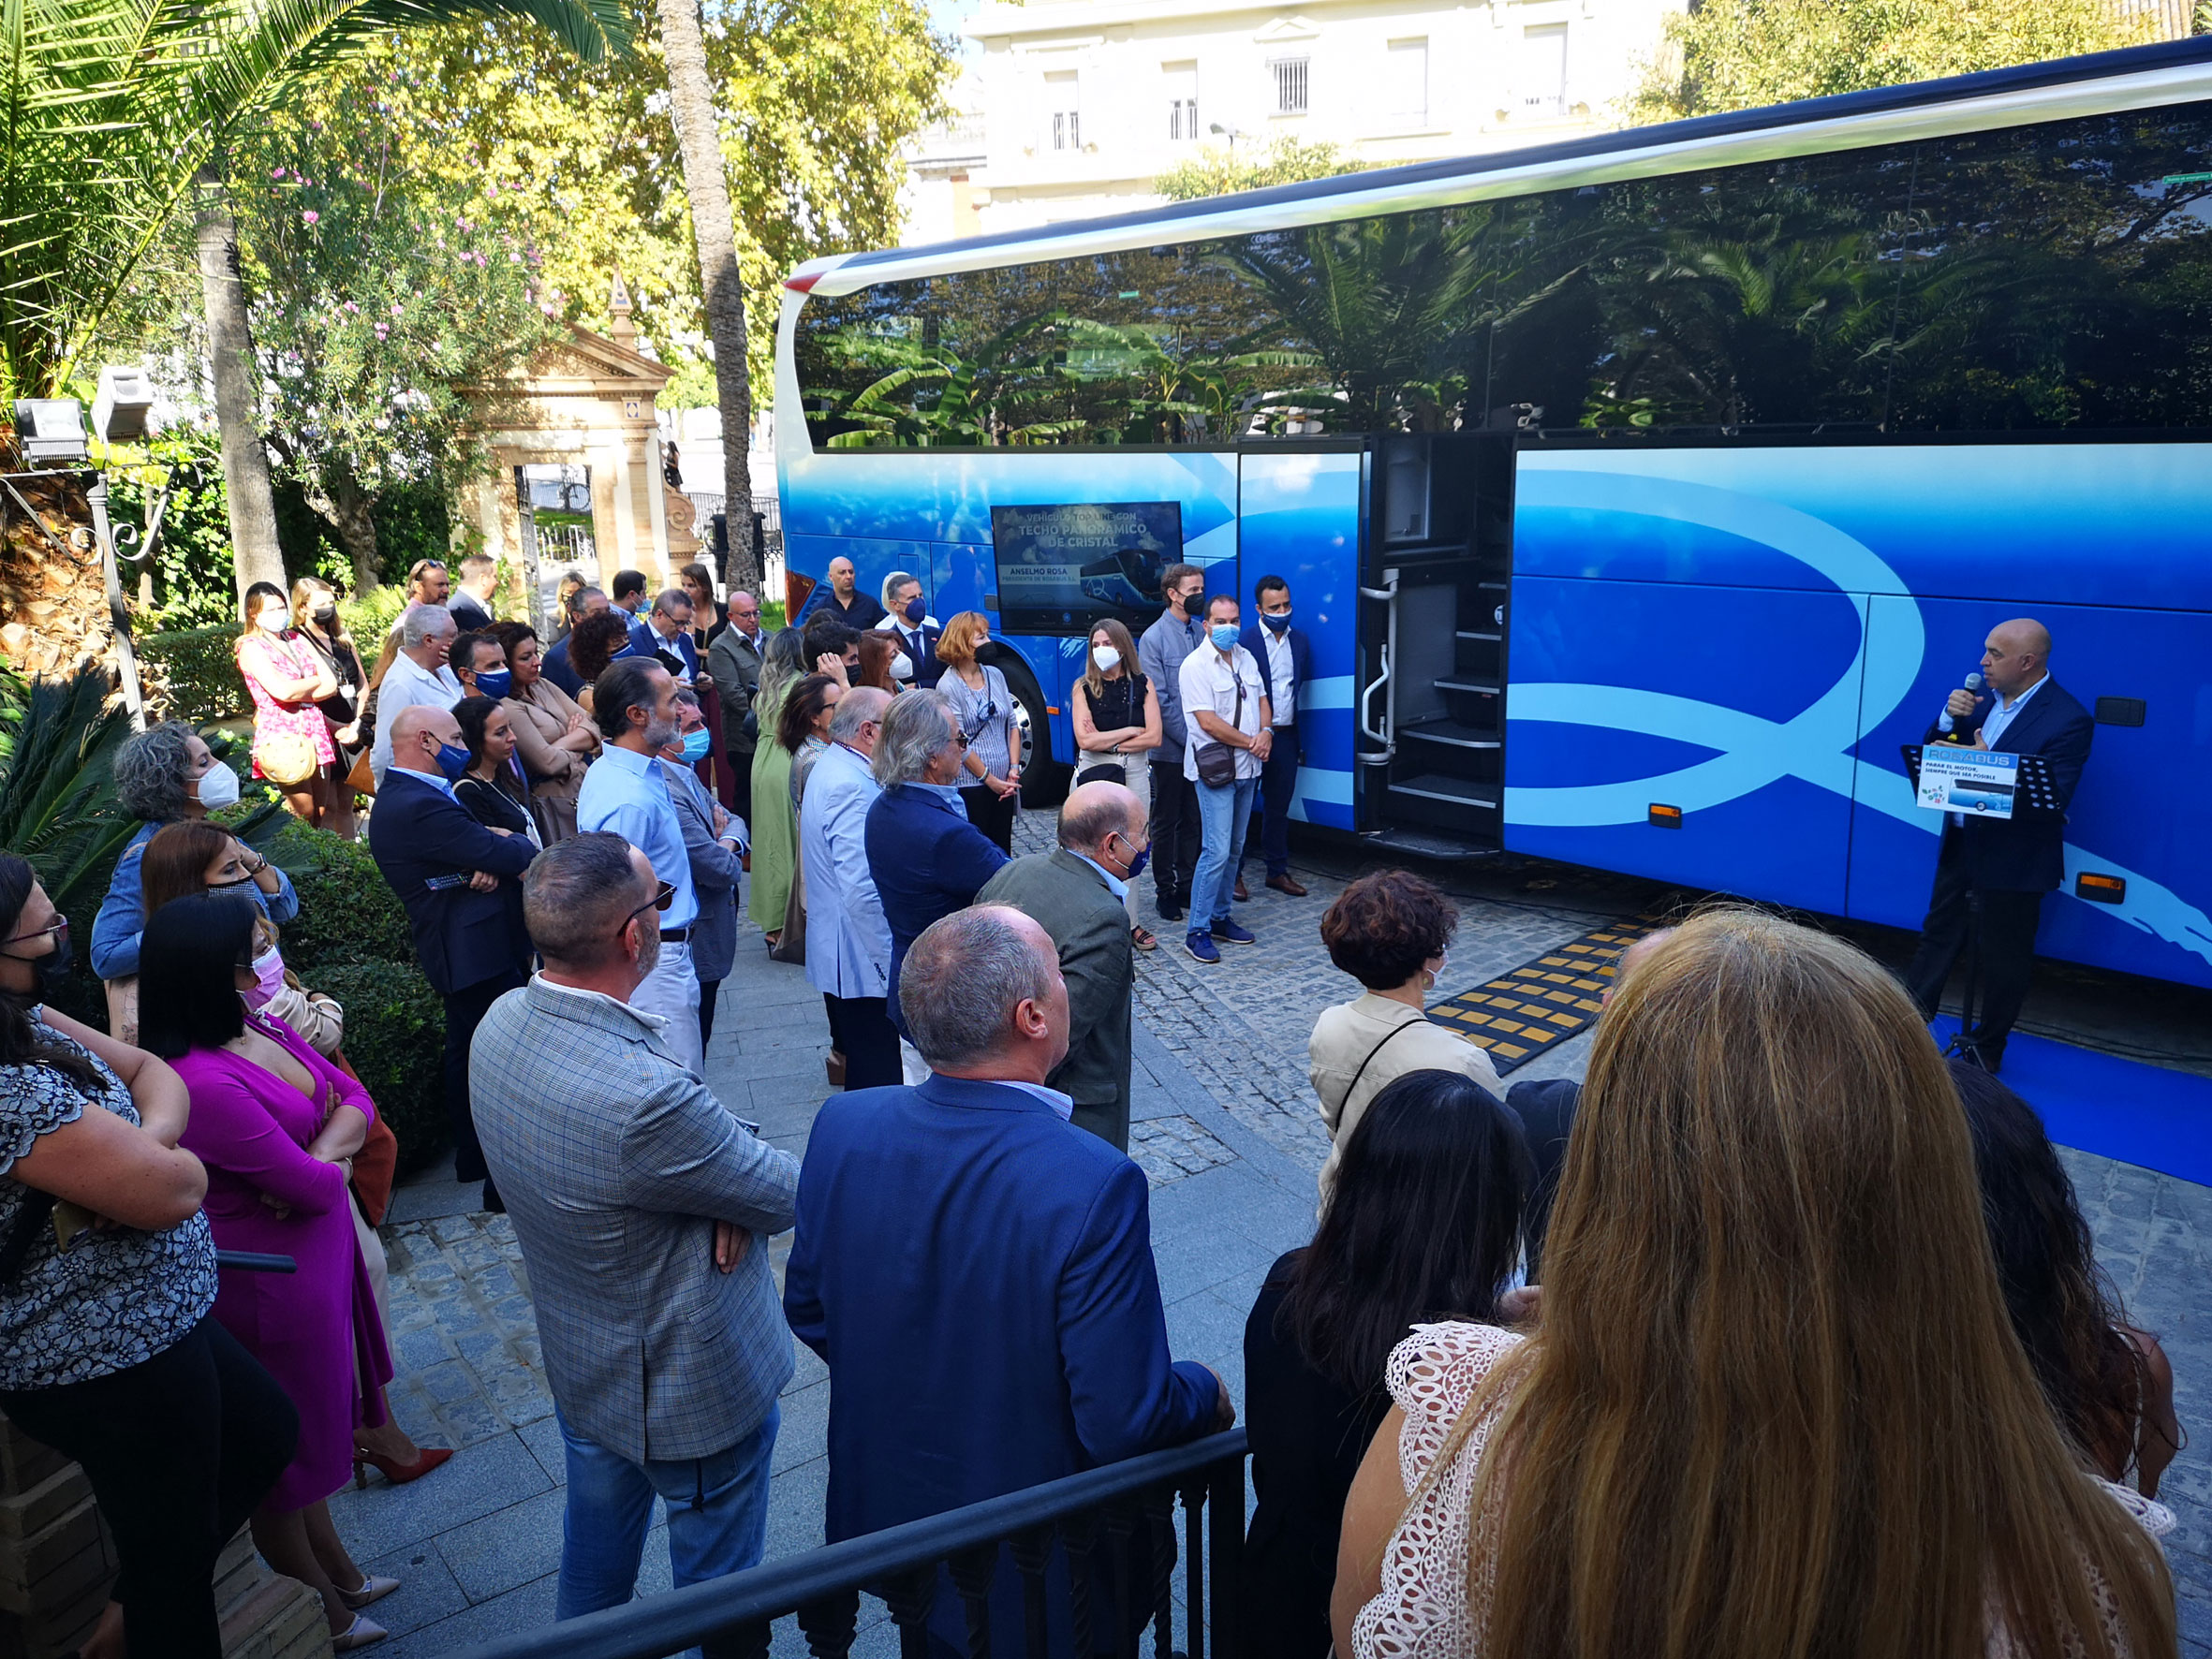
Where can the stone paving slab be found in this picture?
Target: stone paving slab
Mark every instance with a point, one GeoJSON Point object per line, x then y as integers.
{"type": "Point", "coordinates": [1224, 1124]}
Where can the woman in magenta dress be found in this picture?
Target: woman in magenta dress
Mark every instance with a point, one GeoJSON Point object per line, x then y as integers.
{"type": "Point", "coordinates": [277, 1125]}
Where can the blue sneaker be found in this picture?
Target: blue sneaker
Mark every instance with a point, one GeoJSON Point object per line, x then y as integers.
{"type": "Point", "coordinates": [1230, 932]}
{"type": "Point", "coordinates": [1201, 947]}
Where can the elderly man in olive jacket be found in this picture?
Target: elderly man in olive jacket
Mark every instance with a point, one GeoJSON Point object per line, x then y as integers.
{"type": "Point", "coordinates": [1075, 894]}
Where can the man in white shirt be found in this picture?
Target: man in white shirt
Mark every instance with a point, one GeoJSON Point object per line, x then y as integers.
{"type": "Point", "coordinates": [419, 675]}
{"type": "Point", "coordinates": [1225, 704]}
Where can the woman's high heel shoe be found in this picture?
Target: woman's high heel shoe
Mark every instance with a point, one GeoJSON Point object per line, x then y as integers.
{"type": "Point", "coordinates": [426, 1458]}
{"type": "Point", "coordinates": [370, 1588]}
{"type": "Point", "coordinates": [360, 1634]}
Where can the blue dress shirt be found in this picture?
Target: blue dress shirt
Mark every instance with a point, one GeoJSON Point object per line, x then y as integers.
{"type": "Point", "coordinates": [121, 919]}
{"type": "Point", "coordinates": [644, 641]}
{"type": "Point", "coordinates": [625, 794]}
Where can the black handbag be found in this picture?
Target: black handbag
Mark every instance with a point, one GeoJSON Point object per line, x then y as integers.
{"type": "Point", "coordinates": [1217, 762]}
{"type": "Point", "coordinates": [1108, 773]}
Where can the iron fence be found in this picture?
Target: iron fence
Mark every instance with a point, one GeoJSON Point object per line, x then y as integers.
{"type": "Point", "coordinates": [1110, 1522]}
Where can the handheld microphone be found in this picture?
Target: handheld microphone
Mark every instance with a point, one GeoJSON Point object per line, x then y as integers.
{"type": "Point", "coordinates": [1959, 734]}
{"type": "Point", "coordinates": [1974, 683]}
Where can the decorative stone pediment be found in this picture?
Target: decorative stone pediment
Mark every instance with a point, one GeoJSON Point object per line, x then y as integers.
{"type": "Point", "coordinates": [1287, 31]}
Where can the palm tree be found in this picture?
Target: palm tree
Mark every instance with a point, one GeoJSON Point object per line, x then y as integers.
{"type": "Point", "coordinates": [115, 111]}
{"type": "Point", "coordinates": [691, 107]}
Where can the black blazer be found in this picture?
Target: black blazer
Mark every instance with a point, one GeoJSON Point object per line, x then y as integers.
{"type": "Point", "coordinates": [462, 937]}
{"type": "Point", "coordinates": [2026, 851]}
{"type": "Point", "coordinates": [928, 669]}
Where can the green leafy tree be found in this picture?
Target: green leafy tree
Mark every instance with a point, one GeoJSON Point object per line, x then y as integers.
{"type": "Point", "coordinates": [378, 300]}
{"type": "Point", "coordinates": [1224, 171]}
{"type": "Point", "coordinates": [1742, 54]}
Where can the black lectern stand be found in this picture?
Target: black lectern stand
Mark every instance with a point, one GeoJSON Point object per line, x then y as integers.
{"type": "Point", "coordinates": [2033, 793]}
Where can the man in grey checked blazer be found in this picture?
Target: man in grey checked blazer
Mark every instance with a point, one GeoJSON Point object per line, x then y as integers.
{"type": "Point", "coordinates": [643, 1207]}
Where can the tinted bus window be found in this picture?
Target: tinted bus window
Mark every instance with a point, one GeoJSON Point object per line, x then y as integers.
{"type": "Point", "coordinates": [2043, 277]}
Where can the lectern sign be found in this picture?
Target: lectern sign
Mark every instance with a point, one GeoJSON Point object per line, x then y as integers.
{"type": "Point", "coordinates": [1970, 780]}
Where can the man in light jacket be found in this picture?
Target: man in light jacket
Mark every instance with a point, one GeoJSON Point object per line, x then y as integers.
{"type": "Point", "coordinates": [847, 941]}
{"type": "Point", "coordinates": [645, 1208]}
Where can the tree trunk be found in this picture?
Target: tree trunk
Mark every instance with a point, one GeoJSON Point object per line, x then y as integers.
{"type": "Point", "coordinates": [246, 463]}
{"type": "Point", "coordinates": [691, 104]}
{"type": "Point", "coordinates": [345, 506]}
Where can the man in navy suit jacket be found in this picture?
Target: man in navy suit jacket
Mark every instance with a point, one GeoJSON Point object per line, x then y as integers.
{"type": "Point", "coordinates": [976, 1272]}
{"type": "Point", "coordinates": [2001, 867]}
{"type": "Point", "coordinates": [1285, 656]}
{"type": "Point", "coordinates": [461, 886]}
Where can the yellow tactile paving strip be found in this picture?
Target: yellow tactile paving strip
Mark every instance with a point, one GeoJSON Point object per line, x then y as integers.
{"type": "Point", "coordinates": [1541, 1004]}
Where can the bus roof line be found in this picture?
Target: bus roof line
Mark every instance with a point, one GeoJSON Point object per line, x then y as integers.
{"type": "Point", "coordinates": [2169, 72]}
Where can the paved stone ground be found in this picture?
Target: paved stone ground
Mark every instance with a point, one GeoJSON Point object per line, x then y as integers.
{"type": "Point", "coordinates": [1227, 1131]}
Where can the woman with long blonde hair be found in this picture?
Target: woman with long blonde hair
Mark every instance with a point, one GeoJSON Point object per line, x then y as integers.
{"type": "Point", "coordinates": [1773, 1407]}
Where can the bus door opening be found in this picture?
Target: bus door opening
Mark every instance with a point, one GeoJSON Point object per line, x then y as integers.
{"type": "Point", "coordinates": [1435, 590]}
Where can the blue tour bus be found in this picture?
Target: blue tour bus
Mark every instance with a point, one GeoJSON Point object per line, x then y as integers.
{"type": "Point", "coordinates": [1642, 494]}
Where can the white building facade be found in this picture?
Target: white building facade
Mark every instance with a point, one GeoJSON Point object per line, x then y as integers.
{"type": "Point", "coordinates": [1077, 106]}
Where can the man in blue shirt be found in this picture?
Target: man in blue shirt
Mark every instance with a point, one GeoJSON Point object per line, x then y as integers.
{"type": "Point", "coordinates": [583, 603]}
{"type": "Point", "coordinates": [665, 632]}
{"type": "Point", "coordinates": [1177, 833]}
{"type": "Point", "coordinates": [627, 794]}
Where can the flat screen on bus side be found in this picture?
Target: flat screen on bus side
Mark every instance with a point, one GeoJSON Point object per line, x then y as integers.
{"type": "Point", "coordinates": [1065, 569]}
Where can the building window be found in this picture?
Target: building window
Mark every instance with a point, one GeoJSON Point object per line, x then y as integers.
{"type": "Point", "coordinates": [1543, 70]}
{"type": "Point", "coordinates": [1405, 92]}
{"type": "Point", "coordinates": [1181, 86]}
{"type": "Point", "coordinates": [1292, 80]}
{"type": "Point", "coordinates": [1063, 114]}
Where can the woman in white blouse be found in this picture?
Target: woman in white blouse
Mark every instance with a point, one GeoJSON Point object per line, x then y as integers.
{"type": "Point", "coordinates": [1772, 1406]}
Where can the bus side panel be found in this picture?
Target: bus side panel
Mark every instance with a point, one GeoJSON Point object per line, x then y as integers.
{"type": "Point", "coordinates": [1735, 705]}
{"type": "Point", "coordinates": [1299, 518]}
{"type": "Point", "coordinates": [2143, 805]}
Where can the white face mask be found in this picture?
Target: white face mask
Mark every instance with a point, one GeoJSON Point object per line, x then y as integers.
{"type": "Point", "coordinates": [215, 789]}
{"type": "Point", "coordinates": [273, 619]}
{"type": "Point", "coordinates": [1106, 657]}
{"type": "Point", "coordinates": [902, 667]}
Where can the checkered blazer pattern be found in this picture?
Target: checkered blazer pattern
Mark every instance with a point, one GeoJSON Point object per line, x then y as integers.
{"type": "Point", "coordinates": [615, 1163]}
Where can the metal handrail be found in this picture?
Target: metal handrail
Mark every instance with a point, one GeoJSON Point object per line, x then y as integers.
{"type": "Point", "coordinates": [680, 1619]}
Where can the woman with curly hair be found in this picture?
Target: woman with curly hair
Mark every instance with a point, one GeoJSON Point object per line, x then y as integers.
{"type": "Point", "coordinates": [595, 642]}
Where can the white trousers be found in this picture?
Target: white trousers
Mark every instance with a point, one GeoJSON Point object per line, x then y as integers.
{"type": "Point", "coordinates": [672, 991]}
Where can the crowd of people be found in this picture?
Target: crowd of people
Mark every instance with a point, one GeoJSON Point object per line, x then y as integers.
{"type": "Point", "coordinates": [1774, 1335]}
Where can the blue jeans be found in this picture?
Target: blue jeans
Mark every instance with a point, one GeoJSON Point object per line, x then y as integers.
{"type": "Point", "coordinates": [717, 1516]}
{"type": "Point", "coordinates": [1224, 812]}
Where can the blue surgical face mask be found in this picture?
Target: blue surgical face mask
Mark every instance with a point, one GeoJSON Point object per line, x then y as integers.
{"type": "Point", "coordinates": [1277, 622]}
{"type": "Point", "coordinates": [1223, 635]}
{"type": "Point", "coordinates": [452, 759]}
{"type": "Point", "coordinates": [494, 684]}
{"type": "Point", "coordinates": [695, 745]}
{"type": "Point", "coordinates": [915, 610]}
{"type": "Point", "coordinates": [1137, 864]}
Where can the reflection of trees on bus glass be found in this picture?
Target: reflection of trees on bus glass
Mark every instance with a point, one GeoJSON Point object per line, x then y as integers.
{"type": "Point", "coordinates": [2040, 277]}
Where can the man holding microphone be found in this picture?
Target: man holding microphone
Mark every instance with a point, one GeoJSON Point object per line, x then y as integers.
{"type": "Point", "coordinates": [1999, 868]}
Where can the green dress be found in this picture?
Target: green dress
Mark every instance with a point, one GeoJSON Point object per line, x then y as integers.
{"type": "Point", "coordinates": [775, 824]}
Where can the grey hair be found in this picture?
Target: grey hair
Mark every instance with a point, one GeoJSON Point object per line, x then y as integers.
{"type": "Point", "coordinates": [914, 734]}
{"type": "Point", "coordinates": [574, 895]}
{"type": "Point", "coordinates": [479, 565]}
{"type": "Point", "coordinates": [418, 623]}
{"type": "Point", "coordinates": [668, 599]}
{"type": "Point", "coordinates": [150, 773]}
{"type": "Point", "coordinates": [856, 709]}
{"type": "Point", "coordinates": [687, 698]}
{"type": "Point", "coordinates": [962, 980]}
{"type": "Point", "coordinates": [581, 595]}
{"type": "Point", "coordinates": [894, 581]}
{"type": "Point", "coordinates": [624, 684]}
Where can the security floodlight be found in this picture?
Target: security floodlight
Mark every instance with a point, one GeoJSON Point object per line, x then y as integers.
{"type": "Point", "coordinates": [124, 400]}
{"type": "Point", "coordinates": [50, 429]}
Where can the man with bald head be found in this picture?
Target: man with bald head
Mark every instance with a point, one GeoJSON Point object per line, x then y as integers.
{"type": "Point", "coordinates": [1076, 893]}
{"type": "Point", "coordinates": [842, 597]}
{"type": "Point", "coordinates": [1995, 871]}
{"type": "Point", "coordinates": [460, 885]}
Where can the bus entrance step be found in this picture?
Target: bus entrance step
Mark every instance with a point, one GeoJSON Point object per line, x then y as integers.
{"type": "Point", "coordinates": [1456, 733]}
{"type": "Point", "coordinates": [1453, 791]}
{"type": "Point", "coordinates": [1440, 845]}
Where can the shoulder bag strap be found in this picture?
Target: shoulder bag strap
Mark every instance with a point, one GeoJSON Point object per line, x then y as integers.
{"type": "Point", "coordinates": [1353, 1087]}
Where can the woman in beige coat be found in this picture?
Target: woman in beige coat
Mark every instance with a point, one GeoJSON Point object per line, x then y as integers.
{"type": "Point", "coordinates": [553, 738]}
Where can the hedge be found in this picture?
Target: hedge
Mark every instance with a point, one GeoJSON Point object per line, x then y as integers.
{"type": "Point", "coordinates": [395, 1040]}
{"type": "Point", "coordinates": [202, 671]}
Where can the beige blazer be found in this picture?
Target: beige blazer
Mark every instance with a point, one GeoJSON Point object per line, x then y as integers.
{"type": "Point", "coordinates": [539, 722]}
{"type": "Point", "coordinates": [1343, 1038]}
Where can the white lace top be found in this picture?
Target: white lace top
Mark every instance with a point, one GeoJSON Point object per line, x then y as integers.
{"type": "Point", "coordinates": [1421, 1609]}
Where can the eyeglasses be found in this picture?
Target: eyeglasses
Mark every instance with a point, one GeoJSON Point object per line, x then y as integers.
{"type": "Point", "coordinates": [960, 738]}
{"type": "Point", "coordinates": [663, 897]}
{"type": "Point", "coordinates": [58, 926]}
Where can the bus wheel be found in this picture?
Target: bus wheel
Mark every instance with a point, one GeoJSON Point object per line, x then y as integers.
{"type": "Point", "coordinates": [1044, 780]}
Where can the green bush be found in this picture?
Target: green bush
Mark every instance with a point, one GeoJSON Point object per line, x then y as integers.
{"type": "Point", "coordinates": [395, 1035]}
{"type": "Point", "coordinates": [369, 617]}
{"type": "Point", "coordinates": [347, 911]}
{"type": "Point", "coordinates": [201, 670]}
